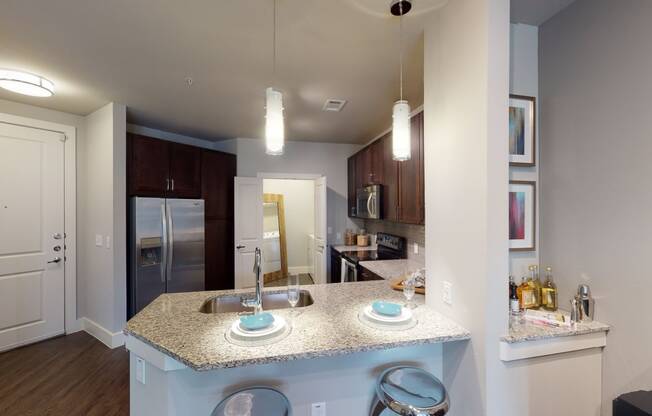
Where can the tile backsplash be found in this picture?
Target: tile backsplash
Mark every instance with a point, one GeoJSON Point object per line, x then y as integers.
{"type": "Point", "coordinates": [412, 233]}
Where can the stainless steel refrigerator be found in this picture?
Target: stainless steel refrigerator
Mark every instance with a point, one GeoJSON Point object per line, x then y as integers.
{"type": "Point", "coordinates": [167, 248]}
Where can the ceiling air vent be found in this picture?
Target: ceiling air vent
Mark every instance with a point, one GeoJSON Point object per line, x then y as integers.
{"type": "Point", "coordinates": [334, 105]}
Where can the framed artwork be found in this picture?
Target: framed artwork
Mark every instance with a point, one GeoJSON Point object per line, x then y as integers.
{"type": "Point", "coordinates": [522, 214]}
{"type": "Point", "coordinates": [522, 130]}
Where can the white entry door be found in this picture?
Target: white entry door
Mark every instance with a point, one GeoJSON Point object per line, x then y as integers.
{"type": "Point", "coordinates": [31, 235]}
{"type": "Point", "coordinates": [248, 212]}
{"type": "Point", "coordinates": [320, 252]}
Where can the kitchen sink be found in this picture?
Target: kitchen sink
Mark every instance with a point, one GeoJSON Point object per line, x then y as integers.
{"type": "Point", "coordinates": [271, 301]}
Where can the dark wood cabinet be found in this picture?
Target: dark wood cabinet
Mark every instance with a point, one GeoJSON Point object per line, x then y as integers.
{"type": "Point", "coordinates": [365, 275]}
{"type": "Point", "coordinates": [185, 171]}
{"type": "Point", "coordinates": [403, 182]}
{"type": "Point", "coordinates": [411, 178]}
{"type": "Point", "coordinates": [351, 189]}
{"type": "Point", "coordinates": [148, 166]}
{"type": "Point", "coordinates": [390, 180]}
{"type": "Point", "coordinates": [219, 255]}
{"type": "Point", "coordinates": [336, 266]}
{"type": "Point", "coordinates": [217, 172]}
{"type": "Point", "coordinates": [158, 168]}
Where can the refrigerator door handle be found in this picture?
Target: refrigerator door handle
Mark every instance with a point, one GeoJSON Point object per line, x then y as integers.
{"type": "Point", "coordinates": [170, 255]}
{"type": "Point", "coordinates": [164, 246]}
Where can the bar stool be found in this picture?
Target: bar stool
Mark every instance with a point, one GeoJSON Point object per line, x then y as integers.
{"type": "Point", "coordinates": [254, 401]}
{"type": "Point", "coordinates": [409, 391]}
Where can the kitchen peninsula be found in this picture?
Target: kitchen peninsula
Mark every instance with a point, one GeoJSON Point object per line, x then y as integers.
{"type": "Point", "coordinates": [330, 356]}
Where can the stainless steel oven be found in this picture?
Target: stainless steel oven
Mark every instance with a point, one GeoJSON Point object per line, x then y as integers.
{"type": "Point", "coordinates": [349, 271]}
{"type": "Point", "coordinates": [369, 202]}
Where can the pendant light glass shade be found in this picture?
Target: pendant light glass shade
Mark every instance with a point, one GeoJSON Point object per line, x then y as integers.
{"type": "Point", "coordinates": [401, 141]}
{"type": "Point", "coordinates": [274, 124]}
{"type": "Point", "coordinates": [26, 83]}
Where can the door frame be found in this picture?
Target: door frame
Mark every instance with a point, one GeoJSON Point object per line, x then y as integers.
{"type": "Point", "coordinates": [71, 323]}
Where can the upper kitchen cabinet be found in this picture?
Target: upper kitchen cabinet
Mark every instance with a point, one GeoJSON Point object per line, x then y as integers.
{"type": "Point", "coordinates": [403, 182]}
{"type": "Point", "coordinates": [351, 186]}
{"type": "Point", "coordinates": [217, 172]}
{"type": "Point", "coordinates": [390, 180]}
{"type": "Point", "coordinates": [185, 171]}
{"type": "Point", "coordinates": [411, 178]}
{"type": "Point", "coordinates": [159, 168]}
{"type": "Point", "coordinates": [148, 165]}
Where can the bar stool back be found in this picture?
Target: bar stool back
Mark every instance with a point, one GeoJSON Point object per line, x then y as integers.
{"type": "Point", "coordinates": [409, 391]}
{"type": "Point", "coordinates": [254, 401]}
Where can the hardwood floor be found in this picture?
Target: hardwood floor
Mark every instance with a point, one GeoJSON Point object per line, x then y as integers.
{"type": "Point", "coordinates": [71, 375]}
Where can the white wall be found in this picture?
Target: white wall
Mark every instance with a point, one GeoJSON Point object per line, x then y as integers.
{"type": "Point", "coordinates": [524, 80]}
{"type": "Point", "coordinates": [299, 202]}
{"type": "Point", "coordinates": [102, 199]}
{"type": "Point", "coordinates": [466, 81]}
{"type": "Point", "coordinates": [596, 199]}
{"type": "Point", "coordinates": [328, 159]}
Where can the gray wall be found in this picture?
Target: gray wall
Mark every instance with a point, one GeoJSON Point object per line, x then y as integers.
{"type": "Point", "coordinates": [596, 89]}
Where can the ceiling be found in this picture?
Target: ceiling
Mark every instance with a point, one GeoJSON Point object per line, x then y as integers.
{"type": "Point", "coordinates": [140, 53]}
{"type": "Point", "coordinates": [536, 12]}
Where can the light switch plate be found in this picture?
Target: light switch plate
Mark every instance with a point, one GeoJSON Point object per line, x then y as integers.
{"type": "Point", "coordinates": [318, 409]}
{"type": "Point", "coordinates": [416, 248]}
{"type": "Point", "coordinates": [447, 293]}
{"type": "Point", "coordinates": [98, 240]}
{"type": "Point", "coordinates": [140, 370]}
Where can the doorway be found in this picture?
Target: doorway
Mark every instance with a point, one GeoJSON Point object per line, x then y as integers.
{"type": "Point", "coordinates": [34, 282]}
{"type": "Point", "coordinates": [284, 215]}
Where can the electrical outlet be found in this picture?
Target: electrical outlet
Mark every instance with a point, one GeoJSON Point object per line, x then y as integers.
{"type": "Point", "coordinates": [447, 293]}
{"type": "Point", "coordinates": [329, 230]}
{"type": "Point", "coordinates": [416, 248]}
{"type": "Point", "coordinates": [318, 409]}
{"type": "Point", "coordinates": [338, 237]}
{"type": "Point", "coordinates": [107, 240]}
{"type": "Point", "coordinates": [98, 240]}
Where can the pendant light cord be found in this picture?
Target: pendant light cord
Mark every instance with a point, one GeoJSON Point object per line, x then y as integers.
{"type": "Point", "coordinates": [274, 52]}
{"type": "Point", "coordinates": [400, 46]}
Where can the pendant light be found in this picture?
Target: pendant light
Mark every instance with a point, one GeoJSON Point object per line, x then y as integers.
{"type": "Point", "coordinates": [26, 83]}
{"type": "Point", "coordinates": [401, 141]}
{"type": "Point", "coordinates": [274, 123]}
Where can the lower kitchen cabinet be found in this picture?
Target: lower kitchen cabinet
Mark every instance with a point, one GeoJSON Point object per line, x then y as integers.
{"type": "Point", "coordinates": [365, 275]}
{"type": "Point", "coordinates": [336, 266]}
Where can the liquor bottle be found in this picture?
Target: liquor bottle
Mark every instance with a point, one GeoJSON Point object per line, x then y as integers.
{"type": "Point", "coordinates": [549, 292]}
{"type": "Point", "coordinates": [528, 297]}
{"type": "Point", "coordinates": [536, 283]}
{"type": "Point", "coordinates": [514, 303]}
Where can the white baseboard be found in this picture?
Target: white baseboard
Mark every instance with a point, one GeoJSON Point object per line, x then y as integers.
{"type": "Point", "coordinates": [75, 326]}
{"type": "Point", "coordinates": [106, 337]}
{"type": "Point", "coordinates": [299, 270]}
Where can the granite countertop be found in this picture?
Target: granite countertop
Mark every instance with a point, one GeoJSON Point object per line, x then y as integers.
{"type": "Point", "coordinates": [531, 331]}
{"type": "Point", "coordinates": [390, 269]}
{"type": "Point", "coordinates": [173, 325]}
{"type": "Point", "coordinates": [341, 248]}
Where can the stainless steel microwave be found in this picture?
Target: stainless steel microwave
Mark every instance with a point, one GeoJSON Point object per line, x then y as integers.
{"type": "Point", "coordinates": [369, 202]}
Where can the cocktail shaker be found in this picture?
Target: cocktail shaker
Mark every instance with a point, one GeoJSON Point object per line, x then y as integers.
{"type": "Point", "coordinates": [586, 303]}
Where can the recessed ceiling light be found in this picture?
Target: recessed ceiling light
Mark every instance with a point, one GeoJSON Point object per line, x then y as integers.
{"type": "Point", "coordinates": [334, 105]}
{"type": "Point", "coordinates": [26, 83]}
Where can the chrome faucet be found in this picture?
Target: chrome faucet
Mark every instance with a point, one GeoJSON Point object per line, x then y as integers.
{"type": "Point", "coordinates": [256, 302]}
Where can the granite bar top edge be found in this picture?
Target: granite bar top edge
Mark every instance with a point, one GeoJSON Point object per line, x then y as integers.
{"type": "Point", "coordinates": [536, 332]}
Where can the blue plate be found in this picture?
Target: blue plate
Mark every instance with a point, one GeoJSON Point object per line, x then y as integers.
{"type": "Point", "coordinates": [386, 308]}
{"type": "Point", "coordinates": [254, 322]}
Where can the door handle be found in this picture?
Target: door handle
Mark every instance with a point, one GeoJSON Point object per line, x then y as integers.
{"type": "Point", "coordinates": [55, 260]}
{"type": "Point", "coordinates": [239, 247]}
{"type": "Point", "coordinates": [172, 180]}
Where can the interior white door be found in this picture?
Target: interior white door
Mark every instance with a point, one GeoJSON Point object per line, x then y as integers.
{"type": "Point", "coordinates": [31, 235]}
{"type": "Point", "coordinates": [320, 252]}
{"type": "Point", "coordinates": [248, 212]}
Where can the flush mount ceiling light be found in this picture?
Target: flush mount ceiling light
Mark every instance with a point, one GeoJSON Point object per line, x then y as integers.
{"type": "Point", "coordinates": [26, 83]}
{"type": "Point", "coordinates": [401, 141]}
{"type": "Point", "coordinates": [274, 123]}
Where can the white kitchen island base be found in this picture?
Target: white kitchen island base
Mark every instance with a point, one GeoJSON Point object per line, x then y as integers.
{"type": "Point", "coordinates": [344, 382]}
